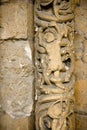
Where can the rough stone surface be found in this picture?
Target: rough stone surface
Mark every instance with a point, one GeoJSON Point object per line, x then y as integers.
{"type": "Point", "coordinates": [81, 19]}
{"type": "Point", "coordinates": [81, 65]}
{"type": "Point", "coordinates": [81, 122]}
{"type": "Point", "coordinates": [7, 123]}
{"type": "Point", "coordinates": [54, 65]}
{"type": "Point", "coordinates": [13, 20]}
{"type": "Point", "coordinates": [81, 57]}
{"type": "Point", "coordinates": [16, 69]}
{"type": "Point", "coordinates": [81, 96]}
{"type": "Point", "coordinates": [16, 78]}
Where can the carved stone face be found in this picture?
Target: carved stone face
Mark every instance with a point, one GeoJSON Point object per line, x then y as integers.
{"type": "Point", "coordinates": [45, 2]}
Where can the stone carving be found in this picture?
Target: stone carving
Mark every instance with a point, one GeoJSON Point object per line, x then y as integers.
{"type": "Point", "coordinates": [54, 60]}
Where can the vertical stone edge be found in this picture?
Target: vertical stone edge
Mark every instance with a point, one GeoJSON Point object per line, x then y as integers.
{"type": "Point", "coordinates": [31, 120]}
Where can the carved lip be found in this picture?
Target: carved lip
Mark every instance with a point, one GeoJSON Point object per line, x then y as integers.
{"type": "Point", "coordinates": [45, 2]}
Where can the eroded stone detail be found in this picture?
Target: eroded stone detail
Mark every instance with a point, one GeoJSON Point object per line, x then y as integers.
{"type": "Point", "coordinates": [16, 78]}
{"type": "Point", "coordinates": [54, 65]}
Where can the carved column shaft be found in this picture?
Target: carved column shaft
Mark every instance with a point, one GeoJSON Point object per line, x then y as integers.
{"type": "Point", "coordinates": [54, 60]}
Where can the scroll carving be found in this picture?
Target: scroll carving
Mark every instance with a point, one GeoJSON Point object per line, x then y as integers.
{"type": "Point", "coordinates": [54, 60]}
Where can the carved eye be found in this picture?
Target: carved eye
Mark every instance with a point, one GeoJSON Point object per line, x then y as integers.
{"type": "Point", "coordinates": [49, 37]}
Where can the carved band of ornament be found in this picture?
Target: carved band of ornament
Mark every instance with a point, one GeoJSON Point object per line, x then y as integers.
{"type": "Point", "coordinates": [54, 60]}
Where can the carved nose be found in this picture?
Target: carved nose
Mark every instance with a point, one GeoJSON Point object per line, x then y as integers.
{"type": "Point", "coordinates": [61, 67]}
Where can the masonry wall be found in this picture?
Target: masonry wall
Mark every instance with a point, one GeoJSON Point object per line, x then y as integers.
{"type": "Point", "coordinates": [16, 65]}
{"type": "Point", "coordinates": [17, 68]}
{"type": "Point", "coordinates": [81, 65]}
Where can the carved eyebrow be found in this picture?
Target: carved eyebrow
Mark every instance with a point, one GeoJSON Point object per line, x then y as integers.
{"type": "Point", "coordinates": [45, 2]}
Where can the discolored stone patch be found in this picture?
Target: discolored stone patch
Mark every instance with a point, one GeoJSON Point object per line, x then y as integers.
{"type": "Point", "coordinates": [16, 78]}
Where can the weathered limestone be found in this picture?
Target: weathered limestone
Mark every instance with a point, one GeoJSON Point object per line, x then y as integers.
{"type": "Point", "coordinates": [17, 78]}
{"type": "Point", "coordinates": [16, 65]}
{"type": "Point", "coordinates": [8, 123]}
{"type": "Point", "coordinates": [81, 122]}
{"type": "Point", "coordinates": [81, 65]}
{"type": "Point", "coordinates": [13, 17]}
{"type": "Point", "coordinates": [54, 65]}
{"type": "Point", "coordinates": [54, 23]}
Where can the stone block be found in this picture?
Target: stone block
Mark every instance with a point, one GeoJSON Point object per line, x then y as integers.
{"type": "Point", "coordinates": [81, 95]}
{"type": "Point", "coordinates": [16, 78]}
{"type": "Point", "coordinates": [13, 20]}
{"type": "Point", "coordinates": [81, 122]}
{"type": "Point", "coordinates": [81, 18]}
{"type": "Point", "coordinates": [8, 123]}
{"type": "Point", "coordinates": [81, 57]}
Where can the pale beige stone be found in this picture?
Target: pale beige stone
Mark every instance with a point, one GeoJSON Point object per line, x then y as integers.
{"type": "Point", "coordinates": [13, 20]}
{"type": "Point", "coordinates": [54, 60]}
{"type": "Point", "coordinates": [81, 65]}
{"type": "Point", "coordinates": [81, 95]}
{"type": "Point", "coordinates": [16, 78]}
{"type": "Point", "coordinates": [81, 19]}
{"type": "Point", "coordinates": [8, 123]}
{"type": "Point", "coordinates": [81, 57]}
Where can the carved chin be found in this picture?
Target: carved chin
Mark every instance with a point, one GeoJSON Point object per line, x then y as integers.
{"type": "Point", "coordinates": [45, 2]}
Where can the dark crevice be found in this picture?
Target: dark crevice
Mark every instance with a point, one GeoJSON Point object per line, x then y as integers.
{"type": "Point", "coordinates": [3, 3]}
{"type": "Point", "coordinates": [81, 113]}
{"type": "Point", "coordinates": [14, 39]}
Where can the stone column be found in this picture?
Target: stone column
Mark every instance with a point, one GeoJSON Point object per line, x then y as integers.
{"type": "Point", "coordinates": [81, 65]}
{"type": "Point", "coordinates": [54, 60]}
{"type": "Point", "coordinates": [16, 65]}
